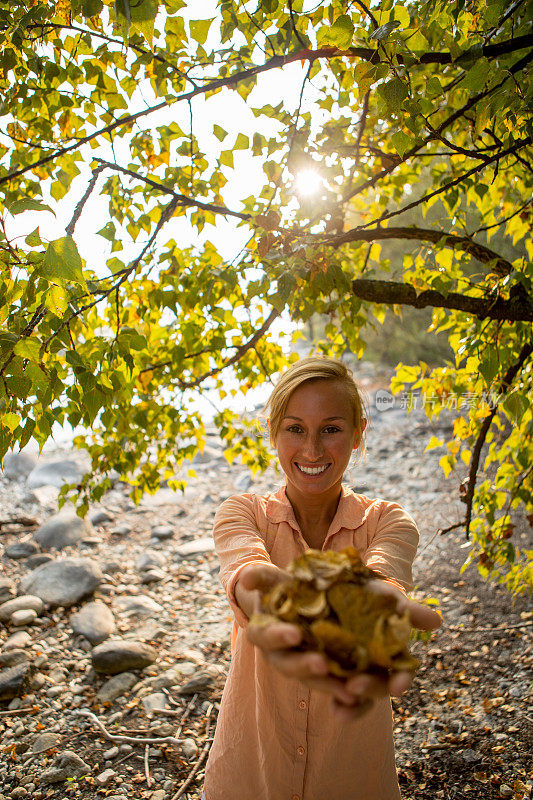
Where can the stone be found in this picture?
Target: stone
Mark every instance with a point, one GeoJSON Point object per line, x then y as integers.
{"type": "Point", "coordinates": [506, 790]}
{"type": "Point", "coordinates": [63, 530]}
{"type": "Point", "coordinates": [189, 748]}
{"type": "Point", "coordinates": [43, 742]}
{"type": "Point", "coordinates": [170, 677]}
{"type": "Point", "coordinates": [243, 482]}
{"type": "Point", "coordinates": [162, 532]}
{"type": "Point", "coordinates": [11, 657]}
{"type": "Point", "coordinates": [55, 473]}
{"type": "Point", "coordinates": [138, 605]}
{"type": "Point", "coordinates": [154, 702]}
{"type": "Point", "coordinates": [120, 655]}
{"type": "Point", "coordinates": [13, 680]}
{"type": "Point", "coordinates": [16, 640]}
{"type": "Point", "coordinates": [63, 582]}
{"type": "Point", "coordinates": [38, 560]}
{"type": "Point", "coordinates": [152, 576]}
{"type": "Point", "coordinates": [18, 465]}
{"type": "Point", "coordinates": [111, 567]}
{"type": "Point", "coordinates": [471, 756]}
{"type": "Point", "coordinates": [105, 777]}
{"type": "Point", "coordinates": [159, 794]}
{"type": "Point", "coordinates": [203, 545]}
{"type": "Point", "coordinates": [7, 589]}
{"type": "Point", "coordinates": [112, 752]}
{"type": "Point", "coordinates": [121, 530]}
{"type": "Point", "coordinates": [201, 682]}
{"type": "Point", "coordinates": [117, 686]}
{"type": "Point", "coordinates": [23, 602]}
{"type": "Point", "coordinates": [149, 559]}
{"type": "Point", "coordinates": [26, 616]}
{"type": "Point", "coordinates": [94, 621]}
{"type": "Point", "coordinates": [64, 766]}
{"type": "Point", "coordinates": [100, 515]}
{"type": "Point", "coordinates": [19, 550]}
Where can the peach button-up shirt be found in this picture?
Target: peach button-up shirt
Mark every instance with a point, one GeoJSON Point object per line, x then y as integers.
{"type": "Point", "coordinates": [275, 738]}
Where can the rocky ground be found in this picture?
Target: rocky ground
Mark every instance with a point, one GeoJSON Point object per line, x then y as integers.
{"type": "Point", "coordinates": [114, 640]}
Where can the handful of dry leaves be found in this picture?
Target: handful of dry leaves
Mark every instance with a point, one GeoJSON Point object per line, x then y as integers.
{"type": "Point", "coordinates": [356, 629]}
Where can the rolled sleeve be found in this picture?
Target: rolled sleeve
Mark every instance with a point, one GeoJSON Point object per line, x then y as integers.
{"type": "Point", "coordinates": [238, 542]}
{"type": "Point", "coordinates": [393, 547]}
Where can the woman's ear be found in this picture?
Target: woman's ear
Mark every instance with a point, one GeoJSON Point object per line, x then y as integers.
{"type": "Point", "coordinates": [359, 434]}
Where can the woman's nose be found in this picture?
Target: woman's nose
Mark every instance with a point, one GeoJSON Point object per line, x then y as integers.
{"type": "Point", "coordinates": [312, 448]}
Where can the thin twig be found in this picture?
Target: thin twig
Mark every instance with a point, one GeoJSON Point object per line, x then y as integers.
{"type": "Point", "coordinates": [199, 760]}
{"type": "Point", "coordinates": [489, 629]}
{"type": "Point", "coordinates": [147, 766]}
{"type": "Point", "coordinates": [128, 739]}
{"type": "Point", "coordinates": [69, 230]}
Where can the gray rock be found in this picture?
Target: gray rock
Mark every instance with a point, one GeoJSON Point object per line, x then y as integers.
{"type": "Point", "coordinates": [12, 657]}
{"type": "Point", "coordinates": [121, 530]}
{"type": "Point", "coordinates": [113, 751]}
{"type": "Point", "coordinates": [137, 605]}
{"type": "Point", "coordinates": [13, 680]}
{"type": "Point", "coordinates": [471, 756]}
{"type": "Point", "coordinates": [152, 576]}
{"type": "Point", "coordinates": [43, 742]}
{"type": "Point", "coordinates": [62, 530]}
{"type": "Point", "coordinates": [243, 482]}
{"type": "Point", "coordinates": [203, 545]}
{"type": "Point", "coordinates": [64, 766]}
{"type": "Point", "coordinates": [162, 532]}
{"type": "Point", "coordinates": [119, 655]}
{"type": "Point", "coordinates": [17, 640]}
{"type": "Point", "coordinates": [202, 681]}
{"type": "Point", "coordinates": [63, 582]}
{"type": "Point", "coordinates": [18, 465]}
{"type": "Point", "coordinates": [55, 473]}
{"type": "Point", "coordinates": [105, 777]}
{"type": "Point", "coordinates": [94, 621]}
{"type": "Point", "coordinates": [7, 589]}
{"type": "Point", "coordinates": [117, 686]}
{"type": "Point", "coordinates": [26, 616]}
{"type": "Point", "coordinates": [111, 567]}
{"type": "Point", "coordinates": [189, 748]}
{"type": "Point", "coordinates": [149, 559]}
{"type": "Point", "coordinates": [23, 602]}
{"type": "Point", "coordinates": [38, 560]}
{"type": "Point", "coordinates": [154, 702]}
{"type": "Point", "coordinates": [21, 549]}
{"type": "Point", "coordinates": [99, 516]}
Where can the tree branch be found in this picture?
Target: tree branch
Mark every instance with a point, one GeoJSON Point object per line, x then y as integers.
{"type": "Point", "coordinates": [276, 62]}
{"type": "Point", "coordinates": [181, 199]}
{"type": "Point", "coordinates": [509, 376]}
{"type": "Point", "coordinates": [478, 251]}
{"type": "Point", "coordinates": [236, 356]}
{"type": "Point", "coordinates": [516, 308]}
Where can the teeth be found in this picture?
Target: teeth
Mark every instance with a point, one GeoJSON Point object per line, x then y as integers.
{"type": "Point", "coordinates": [312, 470]}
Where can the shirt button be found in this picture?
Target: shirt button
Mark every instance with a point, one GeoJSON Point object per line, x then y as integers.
{"type": "Point", "coordinates": [303, 705]}
{"type": "Point", "coordinates": [300, 750]}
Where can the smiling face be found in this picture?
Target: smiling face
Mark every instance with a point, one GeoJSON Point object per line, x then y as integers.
{"type": "Point", "coordinates": [315, 439]}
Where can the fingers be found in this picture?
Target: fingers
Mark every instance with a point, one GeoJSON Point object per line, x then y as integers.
{"type": "Point", "coordinates": [347, 713]}
{"type": "Point", "coordinates": [372, 686]}
{"type": "Point", "coordinates": [420, 615]}
{"type": "Point", "coordinates": [261, 577]}
{"type": "Point", "coordinates": [274, 636]}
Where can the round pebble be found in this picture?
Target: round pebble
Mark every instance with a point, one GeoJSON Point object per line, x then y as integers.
{"type": "Point", "coordinates": [23, 617]}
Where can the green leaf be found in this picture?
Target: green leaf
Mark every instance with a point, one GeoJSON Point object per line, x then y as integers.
{"type": "Point", "coordinates": [489, 365]}
{"type": "Point", "coordinates": [394, 93]}
{"type": "Point", "coordinates": [28, 348]}
{"type": "Point", "coordinates": [91, 8]}
{"type": "Point", "coordinates": [401, 142]}
{"type": "Point", "coordinates": [62, 262]}
{"type": "Point", "coordinates": [33, 239]}
{"type": "Point", "coordinates": [200, 29]}
{"type": "Point", "coordinates": [219, 132]}
{"type": "Point", "coordinates": [226, 158]}
{"type": "Point", "coordinates": [340, 34]}
{"type": "Point", "coordinates": [28, 204]}
{"type": "Point", "coordinates": [56, 300]}
{"type": "Point", "coordinates": [384, 31]}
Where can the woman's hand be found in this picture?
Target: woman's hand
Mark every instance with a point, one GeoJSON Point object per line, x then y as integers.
{"type": "Point", "coordinates": [364, 687]}
{"type": "Point", "coordinates": [277, 640]}
{"type": "Point", "coordinates": [351, 697]}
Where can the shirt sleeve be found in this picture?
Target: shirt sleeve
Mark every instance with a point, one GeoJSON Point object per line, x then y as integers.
{"type": "Point", "coordinates": [238, 542]}
{"type": "Point", "coordinates": [393, 547]}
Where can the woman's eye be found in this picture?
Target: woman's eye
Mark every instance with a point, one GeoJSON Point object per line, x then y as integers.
{"type": "Point", "coordinates": [331, 429]}
{"type": "Point", "coordinates": [294, 429]}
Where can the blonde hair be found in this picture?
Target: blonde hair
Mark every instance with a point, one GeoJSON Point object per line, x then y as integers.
{"type": "Point", "coordinates": [316, 368]}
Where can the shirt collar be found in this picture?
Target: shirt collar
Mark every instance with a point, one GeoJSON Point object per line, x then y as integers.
{"type": "Point", "coordinates": [349, 514]}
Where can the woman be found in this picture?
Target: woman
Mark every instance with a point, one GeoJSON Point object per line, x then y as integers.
{"type": "Point", "coordinates": [286, 728]}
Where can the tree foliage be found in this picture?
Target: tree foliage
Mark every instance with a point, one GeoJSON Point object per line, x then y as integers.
{"type": "Point", "coordinates": [416, 117]}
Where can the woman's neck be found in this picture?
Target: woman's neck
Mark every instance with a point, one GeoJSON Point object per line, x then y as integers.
{"type": "Point", "coordinates": [314, 514]}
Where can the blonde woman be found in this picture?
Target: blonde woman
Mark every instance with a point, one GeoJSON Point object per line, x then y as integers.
{"type": "Point", "coordinates": [287, 730]}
